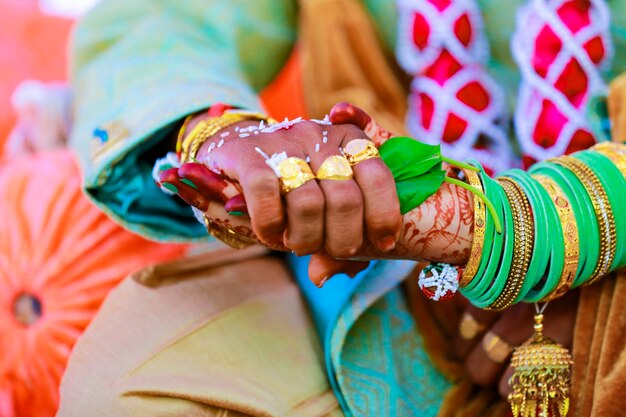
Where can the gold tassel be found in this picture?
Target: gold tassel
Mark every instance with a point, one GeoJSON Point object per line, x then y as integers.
{"type": "Point", "coordinates": [541, 381]}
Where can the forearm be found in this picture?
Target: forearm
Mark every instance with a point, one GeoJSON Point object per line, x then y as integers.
{"type": "Point", "coordinates": [138, 68]}
{"type": "Point", "coordinates": [441, 228]}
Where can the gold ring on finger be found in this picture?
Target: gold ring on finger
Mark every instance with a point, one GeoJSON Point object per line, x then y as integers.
{"type": "Point", "coordinates": [359, 150]}
{"type": "Point", "coordinates": [469, 327]}
{"type": "Point", "coordinates": [335, 168]}
{"type": "Point", "coordinates": [293, 173]}
{"type": "Point", "coordinates": [497, 350]}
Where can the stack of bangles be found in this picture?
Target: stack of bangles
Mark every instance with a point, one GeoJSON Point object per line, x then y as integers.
{"type": "Point", "coordinates": [560, 229]}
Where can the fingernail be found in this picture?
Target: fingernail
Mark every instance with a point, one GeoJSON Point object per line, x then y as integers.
{"type": "Point", "coordinates": [189, 183]}
{"type": "Point", "coordinates": [386, 244]}
{"type": "Point", "coordinates": [236, 213]}
{"type": "Point", "coordinates": [169, 186]}
{"type": "Point", "coordinates": [322, 282]}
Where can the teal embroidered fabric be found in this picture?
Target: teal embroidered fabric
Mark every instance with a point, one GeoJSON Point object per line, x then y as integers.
{"type": "Point", "coordinates": [378, 355]}
{"type": "Point", "coordinates": [375, 357]}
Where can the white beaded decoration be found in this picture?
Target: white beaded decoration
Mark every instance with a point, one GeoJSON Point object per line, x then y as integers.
{"type": "Point", "coordinates": [439, 281]}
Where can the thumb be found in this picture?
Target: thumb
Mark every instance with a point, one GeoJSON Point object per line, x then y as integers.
{"type": "Point", "coordinates": [323, 267]}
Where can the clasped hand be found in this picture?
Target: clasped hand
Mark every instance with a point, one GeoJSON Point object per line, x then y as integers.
{"type": "Point", "coordinates": [342, 223]}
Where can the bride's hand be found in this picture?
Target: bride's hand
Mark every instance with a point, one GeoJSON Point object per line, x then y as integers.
{"type": "Point", "coordinates": [334, 220]}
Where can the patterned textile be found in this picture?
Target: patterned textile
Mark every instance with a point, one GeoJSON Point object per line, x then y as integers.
{"type": "Point", "coordinates": [379, 358]}
{"type": "Point", "coordinates": [560, 47]}
{"type": "Point", "coordinates": [135, 76]}
{"type": "Point", "coordinates": [453, 100]}
{"type": "Point", "coordinates": [375, 356]}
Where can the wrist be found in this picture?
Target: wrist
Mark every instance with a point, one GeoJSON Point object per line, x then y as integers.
{"type": "Point", "coordinates": [198, 130]}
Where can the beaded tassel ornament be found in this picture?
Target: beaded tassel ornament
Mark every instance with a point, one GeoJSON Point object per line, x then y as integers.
{"type": "Point", "coordinates": [541, 382]}
{"type": "Point", "coordinates": [439, 281]}
{"type": "Point", "coordinates": [453, 101]}
{"type": "Point", "coordinates": [560, 47]}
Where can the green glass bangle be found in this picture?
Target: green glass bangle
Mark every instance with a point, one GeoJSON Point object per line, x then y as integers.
{"type": "Point", "coordinates": [523, 232]}
{"type": "Point", "coordinates": [493, 241]}
{"type": "Point", "coordinates": [588, 228]}
{"type": "Point", "coordinates": [548, 235]}
{"type": "Point", "coordinates": [615, 187]}
{"type": "Point", "coordinates": [504, 266]}
{"type": "Point", "coordinates": [603, 214]}
{"type": "Point", "coordinates": [541, 251]}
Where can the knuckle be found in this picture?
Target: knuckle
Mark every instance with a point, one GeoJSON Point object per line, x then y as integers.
{"type": "Point", "coordinates": [306, 126]}
{"type": "Point", "coordinates": [261, 183]}
{"type": "Point", "coordinates": [308, 206]}
{"type": "Point", "coordinates": [375, 175]}
{"type": "Point", "coordinates": [345, 201]}
{"type": "Point", "coordinates": [351, 131]}
{"type": "Point", "coordinates": [381, 182]}
{"type": "Point", "coordinates": [344, 205]}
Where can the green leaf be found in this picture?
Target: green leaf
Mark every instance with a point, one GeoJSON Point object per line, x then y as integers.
{"type": "Point", "coordinates": [415, 191]}
{"type": "Point", "coordinates": [408, 158]}
{"type": "Point", "coordinates": [416, 168]}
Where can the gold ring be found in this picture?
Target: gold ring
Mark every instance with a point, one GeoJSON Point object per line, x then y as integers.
{"type": "Point", "coordinates": [359, 150]}
{"type": "Point", "coordinates": [469, 327]}
{"type": "Point", "coordinates": [497, 350]}
{"type": "Point", "coordinates": [293, 173]}
{"type": "Point", "coordinates": [335, 168]}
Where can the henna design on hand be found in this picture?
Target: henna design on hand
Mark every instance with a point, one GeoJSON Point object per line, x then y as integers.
{"type": "Point", "coordinates": [441, 228]}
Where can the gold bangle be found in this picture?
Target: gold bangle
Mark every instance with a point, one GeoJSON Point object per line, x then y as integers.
{"type": "Point", "coordinates": [181, 132]}
{"type": "Point", "coordinates": [615, 152]}
{"type": "Point", "coordinates": [497, 350]}
{"type": "Point", "coordinates": [478, 239]}
{"type": "Point", "coordinates": [570, 236]}
{"type": "Point", "coordinates": [206, 128]}
{"type": "Point", "coordinates": [524, 232]}
{"type": "Point", "coordinates": [603, 211]}
{"type": "Point", "coordinates": [226, 235]}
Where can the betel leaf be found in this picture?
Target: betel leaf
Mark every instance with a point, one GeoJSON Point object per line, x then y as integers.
{"type": "Point", "coordinates": [415, 191]}
{"type": "Point", "coordinates": [408, 158]}
{"type": "Point", "coordinates": [416, 168]}
{"type": "Point", "coordinates": [418, 173]}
